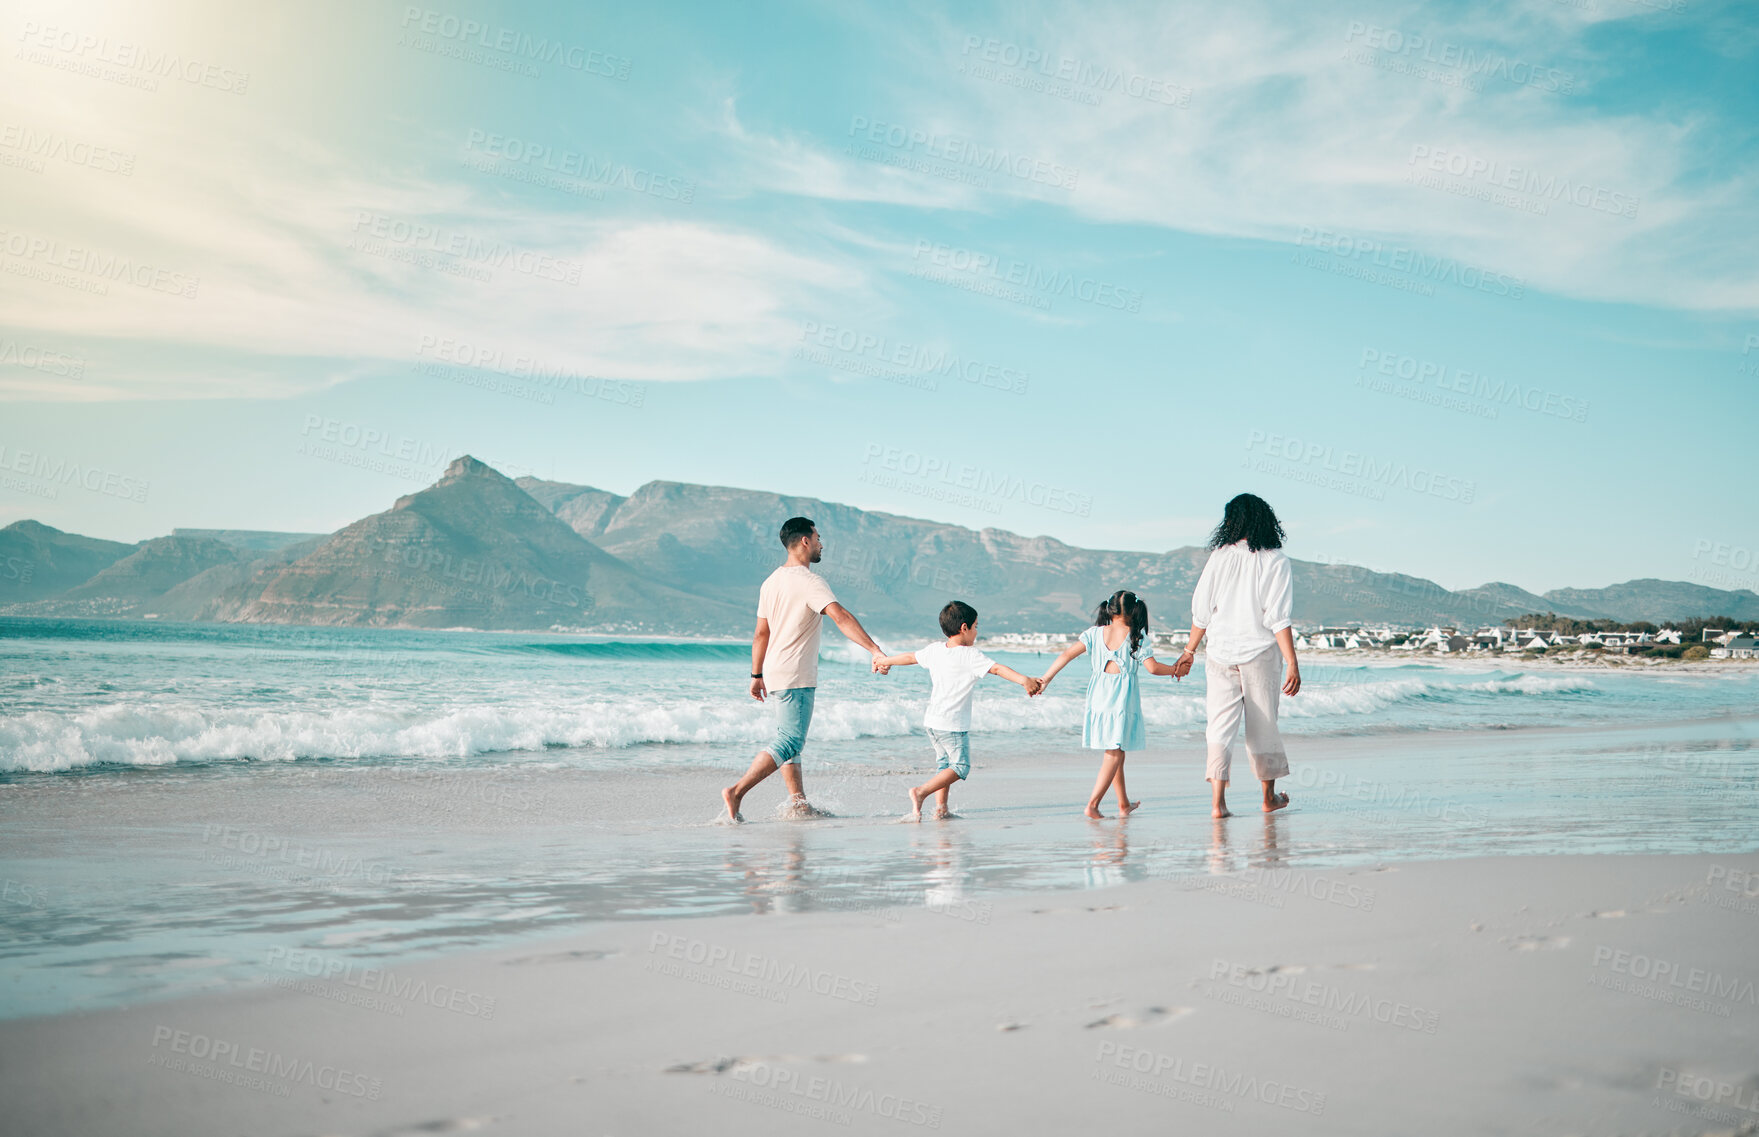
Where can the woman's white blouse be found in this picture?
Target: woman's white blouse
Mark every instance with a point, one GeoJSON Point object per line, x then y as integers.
{"type": "Point", "coordinates": [1244, 599]}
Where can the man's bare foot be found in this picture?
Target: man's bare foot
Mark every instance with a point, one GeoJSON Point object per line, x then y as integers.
{"type": "Point", "coordinates": [1129, 808]}
{"type": "Point", "coordinates": [916, 797]}
{"type": "Point", "coordinates": [1275, 802]}
{"type": "Point", "coordinates": [798, 806]}
{"type": "Point", "coordinates": [1093, 812]}
{"type": "Point", "coordinates": [1220, 811]}
{"type": "Point", "coordinates": [732, 804]}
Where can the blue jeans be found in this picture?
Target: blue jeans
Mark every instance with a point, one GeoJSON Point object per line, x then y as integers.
{"type": "Point", "coordinates": [793, 716]}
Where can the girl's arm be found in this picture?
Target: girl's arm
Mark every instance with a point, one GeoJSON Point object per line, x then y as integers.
{"type": "Point", "coordinates": [1156, 667]}
{"type": "Point", "coordinates": [1062, 661]}
{"type": "Point", "coordinates": [1033, 686]}
{"type": "Point", "coordinates": [903, 659]}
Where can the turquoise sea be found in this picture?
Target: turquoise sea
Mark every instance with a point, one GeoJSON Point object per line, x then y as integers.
{"type": "Point", "coordinates": [180, 803]}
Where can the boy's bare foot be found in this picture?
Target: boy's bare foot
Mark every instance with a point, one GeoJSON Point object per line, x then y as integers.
{"type": "Point", "coordinates": [916, 797]}
{"type": "Point", "coordinates": [732, 804]}
{"type": "Point", "coordinates": [1093, 812]}
{"type": "Point", "coordinates": [1129, 808]}
{"type": "Point", "coordinates": [1275, 802]}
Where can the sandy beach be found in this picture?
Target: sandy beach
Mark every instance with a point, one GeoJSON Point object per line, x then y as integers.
{"type": "Point", "coordinates": [1510, 995]}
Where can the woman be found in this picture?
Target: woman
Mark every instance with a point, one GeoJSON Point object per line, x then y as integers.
{"type": "Point", "coordinates": [1242, 603]}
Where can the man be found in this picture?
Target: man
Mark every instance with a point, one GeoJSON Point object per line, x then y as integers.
{"type": "Point", "coordinates": [784, 660]}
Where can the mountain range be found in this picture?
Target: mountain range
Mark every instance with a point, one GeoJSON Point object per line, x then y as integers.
{"type": "Point", "coordinates": [480, 550]}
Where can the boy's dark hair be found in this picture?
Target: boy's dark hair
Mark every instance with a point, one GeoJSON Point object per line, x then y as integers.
{"type": "Point", "coordinates": [1251, 517]}
{"type": "Point", "coordinates": [795, 530]}
{"type": "Point", "coordinates": [956, 615]}
{"type": "Point", "coordinates": [1124, 603]}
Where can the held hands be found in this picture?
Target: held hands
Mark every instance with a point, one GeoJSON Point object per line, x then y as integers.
{"type": "Point", "coordinates": [1182, 666]}
{"type": "Point", "coordinates": [1033, 686]}
{"type": "Point", "coordinates": [880, 666]}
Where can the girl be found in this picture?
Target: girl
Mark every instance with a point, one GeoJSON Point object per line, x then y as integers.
{"type": "Point", "coordinates": [1119, 645]}
{"type": "Point", "coordinates": [1242, 602]}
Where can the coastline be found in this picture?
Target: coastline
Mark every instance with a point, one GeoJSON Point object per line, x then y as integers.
{"type": "Point", "coordinates": [1549, 994]}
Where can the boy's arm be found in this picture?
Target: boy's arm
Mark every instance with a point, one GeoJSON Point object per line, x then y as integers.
{"type": "Point", "coordinates": [902, 659]}
{"type": "Point", "coordinates": [1033, 686]}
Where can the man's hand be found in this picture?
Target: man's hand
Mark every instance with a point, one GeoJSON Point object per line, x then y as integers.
{"type": "Point", "coordinates": [1292, 685]}
{"type": "Point", "coordinates": [757, 688]}
{"type": "Point", "coordinates": [1033, 685]}
{"type": "Point", "coordinates": [879, 667]}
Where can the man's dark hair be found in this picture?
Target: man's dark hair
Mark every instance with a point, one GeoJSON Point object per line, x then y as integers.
{"type": "Point", "coordinates": [1248, 517]}
{"type": "Point", "coordinates": [956, 615]}
{"type": "Point", "coordinates": [795, 530]}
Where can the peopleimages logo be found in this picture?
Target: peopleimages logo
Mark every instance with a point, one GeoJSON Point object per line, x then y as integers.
{"type": "Point", "coordinates": [1404, 259]}
{"type": "Point", "coordinates": [1366, 467]}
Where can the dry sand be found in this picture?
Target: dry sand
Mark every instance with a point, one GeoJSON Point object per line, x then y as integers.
{"type": "Point", "coordinates": [1517, 995]}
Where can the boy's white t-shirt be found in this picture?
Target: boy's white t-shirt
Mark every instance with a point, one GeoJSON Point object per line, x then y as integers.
{"type": "Point", "coordinates": [954, 672]}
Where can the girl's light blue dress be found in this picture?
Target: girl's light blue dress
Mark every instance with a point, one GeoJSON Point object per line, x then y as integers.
{"type": "Point", "coordinates": [1114, 702]}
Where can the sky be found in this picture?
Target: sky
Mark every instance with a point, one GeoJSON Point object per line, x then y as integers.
{"type": "Point", "coordinates": [1468, 291]}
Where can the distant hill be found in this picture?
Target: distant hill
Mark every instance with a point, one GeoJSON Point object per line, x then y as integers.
{"type": "Point", "coordinates": [477, 550]}
{"type": "Point", "coordinates": [250, 540]}
{"type": "Point", "coordinates": [37, 561]}
{"type": "Point", "coordinates": [1653, 600]}
{"type": "Point", "coordinates": [473, 550]}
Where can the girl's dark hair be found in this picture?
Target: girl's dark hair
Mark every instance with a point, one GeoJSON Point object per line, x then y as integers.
{"type": "Point", "coordinates": [1124, 603]}
{"type": "Point", "coordinates": [1251, 517]}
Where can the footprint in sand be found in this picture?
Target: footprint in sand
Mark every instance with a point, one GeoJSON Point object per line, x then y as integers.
{"type": "Point", "coordinates": [1148, 1016]}
{"type": "Point", "coordinates": [439, 1125]}
{"type": "Point", "coordinates": [722, 1065]}
{"type": "Point", "coordinates": [560, 957]}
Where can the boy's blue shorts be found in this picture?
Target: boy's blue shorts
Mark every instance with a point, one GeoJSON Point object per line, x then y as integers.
{"type": "Point", "coordinates": [793, 716]}
{"type": "Point", "coordinates": [953, 748]}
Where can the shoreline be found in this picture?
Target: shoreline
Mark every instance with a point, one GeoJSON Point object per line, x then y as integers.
{"type": "Point", "coordinates": [1559, 993]}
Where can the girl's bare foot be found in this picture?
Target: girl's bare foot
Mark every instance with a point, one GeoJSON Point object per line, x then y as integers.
{"type": "Point", "coordinates": [916, 797]}
{"type": "Point", "coordinates": [732, 804]}
{"type": "Point", "coordinates": [1128, 808]}
{"type": "Point", "coordinates": [1093, 812]}
{"type": "Point", "coordinates": [1275, 802]}
{"type": "Point", "coordinates": [944, 814]}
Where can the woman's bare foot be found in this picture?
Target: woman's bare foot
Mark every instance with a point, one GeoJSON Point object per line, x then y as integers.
{"type": "Point", "coordinates": [1093, 812]}
{"type": "Point", "coordinates": [944, 814]}
{"type": "Point", "coordinates": [1275, 802]}
{"type": "Point", "coordinates": [1220, 811]}
{"type": "Point", "coordinates": [916, 797]}
{"type": "Point", "coordinates": [732, 804]}
{"type": "Point", "coordinates": [1128, 808]}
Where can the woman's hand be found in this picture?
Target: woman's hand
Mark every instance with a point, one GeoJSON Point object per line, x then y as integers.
{"type": "Point", "coordinates": [1292, 685]}
{"type": "Point", "coordinates": [1182, 666]}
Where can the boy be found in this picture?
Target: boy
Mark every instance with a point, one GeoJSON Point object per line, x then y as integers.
{"type": "Point", "coordinates": [955, 667]}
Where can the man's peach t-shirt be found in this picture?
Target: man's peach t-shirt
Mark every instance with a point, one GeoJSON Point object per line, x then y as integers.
{"type": "Point", "coordinates": [793, 600]}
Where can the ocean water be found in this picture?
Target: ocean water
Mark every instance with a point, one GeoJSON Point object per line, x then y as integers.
{"type": "Point", "coordinates": [181, 806]}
